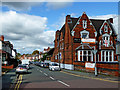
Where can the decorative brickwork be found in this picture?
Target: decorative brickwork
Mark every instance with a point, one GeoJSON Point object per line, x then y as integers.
{"type": "Point", "coordinates": [90, 35]}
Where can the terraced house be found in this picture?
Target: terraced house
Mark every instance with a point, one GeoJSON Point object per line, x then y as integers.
{"type": "Point", "coordinates": [82, 40]}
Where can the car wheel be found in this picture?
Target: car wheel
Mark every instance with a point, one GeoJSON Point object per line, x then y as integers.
{"type": "Point", "coordinates": [52, 69]}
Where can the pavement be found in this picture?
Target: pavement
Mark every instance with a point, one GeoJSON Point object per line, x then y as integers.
{"type": "Point", "coordinates": [92, 75]}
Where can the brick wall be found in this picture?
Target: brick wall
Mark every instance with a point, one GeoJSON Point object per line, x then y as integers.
{"type": "Point", "coordinates": [103, 68]}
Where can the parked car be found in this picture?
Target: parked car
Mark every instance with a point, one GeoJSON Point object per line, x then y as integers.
{"type": "Point", "coordinates": [46, 65]}
{"type": "Point", "coordinates": [42, 64]}
{"type": "Point", "coordinates": [27, 65]}
{"type": "Point", "coordinates": [21, 69]}
{"type": "Point", "coordinates": [54, 67]}
{"type": "Point", "coordinates": [37, 63]}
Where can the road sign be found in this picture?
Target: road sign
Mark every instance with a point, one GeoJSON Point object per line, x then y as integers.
{"type": "Point", "coordinates": [90, 66]}
{"type": "Point", "coordinates": [77, 40]}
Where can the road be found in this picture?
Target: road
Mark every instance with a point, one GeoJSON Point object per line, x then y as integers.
{"type": "Point", "coordinates": [43, 78]}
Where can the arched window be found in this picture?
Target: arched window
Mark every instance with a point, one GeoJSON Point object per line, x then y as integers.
{"type": "Point", "coordinates": [84, 24]}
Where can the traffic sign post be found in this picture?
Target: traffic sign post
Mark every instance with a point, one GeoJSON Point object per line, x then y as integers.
{"type": "Point", "coordinates": [95, 51]}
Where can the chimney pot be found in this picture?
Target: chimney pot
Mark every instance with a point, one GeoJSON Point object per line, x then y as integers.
{"type": "Point", "coordinates": [111, 20]}
{"type": "Point", "coordinates": [2, 38]}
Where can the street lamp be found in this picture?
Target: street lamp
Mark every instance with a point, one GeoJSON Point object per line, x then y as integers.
{"type": "Point", "coordinates": [95, 51]}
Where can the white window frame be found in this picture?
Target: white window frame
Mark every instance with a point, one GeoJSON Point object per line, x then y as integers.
{"type": "Point", "coordinates": [55, 57]}
{"type": "Point", "coordinates": [105, 28]}
{"type": "Point", "coordinates": [109, 56]}
{"type": "Point", "coordinates": [63, 45]}
{"type": "Point", "coordinates": [87, 55]}
{"type": "Point", "coordinates": [84, 22]}
{"type": "Point", "coordinates": [108, 41]}
{"type": "Point", "coordinates": [84, 31]}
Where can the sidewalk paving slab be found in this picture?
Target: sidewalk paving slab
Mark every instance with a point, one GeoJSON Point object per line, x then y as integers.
{"type": "Point", "coordinates": [88, 74]}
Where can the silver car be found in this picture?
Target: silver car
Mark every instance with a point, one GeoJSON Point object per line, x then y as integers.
{"type": "Point", "coordinates": [54, 67]}
{"type": "Point", "coordinates": [21, 69]}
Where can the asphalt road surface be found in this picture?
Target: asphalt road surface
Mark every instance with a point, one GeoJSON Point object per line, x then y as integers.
{"type": "Point", "coordinates": [43, 78]}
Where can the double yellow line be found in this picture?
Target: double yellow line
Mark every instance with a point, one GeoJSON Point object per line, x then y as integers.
{"type": "Point", "coordinates": [90, 77]}
{"type": "Point", "coordinates": [18, 82]}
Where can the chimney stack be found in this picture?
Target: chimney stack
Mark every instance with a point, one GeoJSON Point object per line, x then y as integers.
{"type": "Point", "coordinates": [2, 38]}
{"type": "Point", "coordinates": [67, 18]}
{"type": "Point", "coordinates": [111, 20]}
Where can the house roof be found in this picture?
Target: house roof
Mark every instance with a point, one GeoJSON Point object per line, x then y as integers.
{"type": "Point", "coordinates": [97, 23]}
{"type": "Point", "coordinates": [74, 21]}
{"type": "Point", "coordinates": [7, 42]}
{"type": "Point", "coordinates": [51, 51]}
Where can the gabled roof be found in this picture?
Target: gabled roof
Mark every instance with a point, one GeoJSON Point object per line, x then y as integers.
{"type": "Point", "coordinates": [97, 23]}
{"type": "Point", "coordinates": [114, 32]}
{"type": "Point", "coordinates": [63, 30]}
{"type": "Point", "coordinates": [71, 25]}
{"type": "Point", "coordinates": [74, 21]}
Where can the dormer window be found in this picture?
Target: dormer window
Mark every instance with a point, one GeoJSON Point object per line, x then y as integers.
{"type": "Point", "coordinates": [84, 24]}
{"type": "Point", "coordinates": [106, 28]}
{"type": "Point", "coordinates": [84, 34]}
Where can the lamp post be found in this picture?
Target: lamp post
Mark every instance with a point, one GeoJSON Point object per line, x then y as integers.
{"type": "Point", "coordinates": [95, 51]}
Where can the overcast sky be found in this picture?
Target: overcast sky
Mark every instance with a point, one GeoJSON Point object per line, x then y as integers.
{"type": "Point", "coordinates": [31, 25]}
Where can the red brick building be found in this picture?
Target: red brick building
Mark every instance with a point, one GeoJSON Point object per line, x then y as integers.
{"type": "Point", "coordinates": [79, 37]}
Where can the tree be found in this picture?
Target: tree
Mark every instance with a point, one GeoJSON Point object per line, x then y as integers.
{"type": "Point", "coordinates": [35, 52]}
{"type": "Point", "coordinates": [44, 57]}
{"type": "Point", "coordinates": [18, 56]}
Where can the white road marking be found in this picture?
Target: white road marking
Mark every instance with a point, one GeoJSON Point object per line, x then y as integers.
{"type": "Point", "coordinates": [40, 71]}
{"type": "Point", "coordinates": [64, 83]}
{"type": "Point", "coordinates": [45, 74]}
{"type": "Point", "coordinates": [52, 78]}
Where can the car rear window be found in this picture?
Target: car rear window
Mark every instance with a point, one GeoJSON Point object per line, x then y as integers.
{"type": "Point", "coordinates": [22, 66]}
{"type": "Point", "coordinates": [54, 64]}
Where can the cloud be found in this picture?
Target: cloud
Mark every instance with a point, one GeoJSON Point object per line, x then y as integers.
{"type": "Point", "coordinates": [61, 20]}
{"type": "Point", "coordinates": [20, 6]}
{"type": "Point", "coordinates": [24, 6]}
{"type": "Point", "coordinates": [58, 5]}
{"type": "Point", "coordinates": [27, 31]}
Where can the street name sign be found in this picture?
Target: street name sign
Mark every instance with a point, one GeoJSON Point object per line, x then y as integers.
{"type": "Point", "coordinates": [88, 40]}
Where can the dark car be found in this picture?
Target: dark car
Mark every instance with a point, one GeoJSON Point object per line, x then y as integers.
{"type": "Point", "coordinates": [46, 65]}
